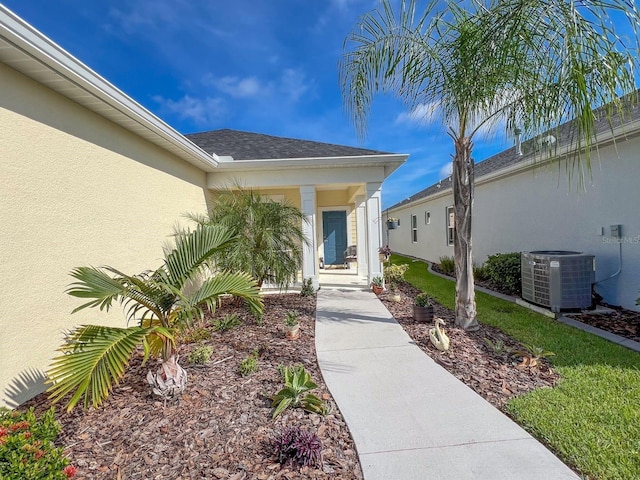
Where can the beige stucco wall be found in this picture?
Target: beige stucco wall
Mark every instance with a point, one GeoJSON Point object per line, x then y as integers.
{"type": "Point", "coordinates": [75, 190]}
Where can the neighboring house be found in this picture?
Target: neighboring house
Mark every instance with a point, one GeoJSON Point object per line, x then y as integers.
{"type": "Point", "coordinates": [90, 177]}
{"type": "Point", "coordinates": [523, 203]}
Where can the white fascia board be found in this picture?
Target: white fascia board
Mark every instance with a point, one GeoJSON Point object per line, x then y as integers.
{"type": "Point", "coordinates": [36, 46]}
{"type": "Point", "coordinates": [390, 161]}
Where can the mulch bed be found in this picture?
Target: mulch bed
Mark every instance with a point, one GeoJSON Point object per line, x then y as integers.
{"type": "Point", "coordinates": [221, 426]}
{"type": "Point", "coordinates": [496, 377]}
{"type": "Point", "coordinates": [625, 323]}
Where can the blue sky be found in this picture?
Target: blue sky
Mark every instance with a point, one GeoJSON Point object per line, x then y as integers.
{"type": "Point", "coordinates": [266, 66]}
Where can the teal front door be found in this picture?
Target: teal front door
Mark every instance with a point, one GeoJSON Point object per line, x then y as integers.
{"type": "Point", "coordinates": [334, 231]}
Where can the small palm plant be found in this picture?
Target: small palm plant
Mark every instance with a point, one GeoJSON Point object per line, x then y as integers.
{"type": "Point", "coordinates": [93, 358]}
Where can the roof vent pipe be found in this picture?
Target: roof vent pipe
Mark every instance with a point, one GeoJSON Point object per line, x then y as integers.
{"type": "Point", "coordinates": [517, 133]}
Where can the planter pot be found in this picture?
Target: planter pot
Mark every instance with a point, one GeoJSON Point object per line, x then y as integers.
{"type": "Point", "coordinates": [383, 258]}
{"type": "Point", "coordinates": [292, 332]}
{"type": "Point", "coordinates": [376, 289]}
{"type": "Point", "coordinates": [392, 225]}
{"type": "Point", "coordinates": [423, 314]}
{"type": "Point", "coordinates": [395, 297]}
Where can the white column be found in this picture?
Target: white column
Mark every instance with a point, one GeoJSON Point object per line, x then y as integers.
{"type": "Point", "coordinates": [374, 229]}
{"type": "Point", "coordinates": [361, 235]}
{"type": "Point", "coordinates": [309, 251]}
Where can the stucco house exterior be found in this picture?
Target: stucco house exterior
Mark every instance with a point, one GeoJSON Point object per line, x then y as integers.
{"type": "Point", "coordinates": [90, 177]}
{"type": "Point", "coordinates": [531, 202]}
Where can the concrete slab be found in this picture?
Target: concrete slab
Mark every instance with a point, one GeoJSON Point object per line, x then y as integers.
{"type": "Point", "coordinates": [409, 417]}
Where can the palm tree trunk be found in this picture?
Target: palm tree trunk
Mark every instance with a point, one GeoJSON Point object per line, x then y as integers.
{"type": "Point", "coordinates": [170, 379]}
{"type": "Point", "coordinates": [463, 201]}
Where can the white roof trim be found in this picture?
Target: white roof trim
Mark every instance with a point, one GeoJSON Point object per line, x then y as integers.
{"type": "Point", "coordinates": [25, 49]}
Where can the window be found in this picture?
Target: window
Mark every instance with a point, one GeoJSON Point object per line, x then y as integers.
{"type": "Point", "coordinates": [414, 228]}
{"type": "Point", "coordinates": [427, 218]}
{"type": "Point", "coordinates": [450, 225]}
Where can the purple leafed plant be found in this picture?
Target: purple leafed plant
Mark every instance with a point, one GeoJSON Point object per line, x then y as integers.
{"type": "Point", "coordinates": [295, 445]}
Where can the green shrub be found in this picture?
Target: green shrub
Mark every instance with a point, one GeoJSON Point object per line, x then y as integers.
{"type": "Point", "coordinates": [195, 335]}
{"type": "Point", "coordinates": [480, 272]}
{"type": "Point", "coordinates": [307, 288]}
{"type": "Point", "coordinates": [394, 273]}
{"type": "Point", "coordinates": [250, 364]}
{"type": "Point", "coordinates": [503, 270]}
{"type": "Point", "coordinates": [423, 300]}
{"type": "Point", "coordinates": [201, 354]}
{"type": "Point", "coordinates": [27, 450]}
{"type": "Point", "coordinates": [226, 323]}
{"type": "Point", "coordinates": [447, 265]}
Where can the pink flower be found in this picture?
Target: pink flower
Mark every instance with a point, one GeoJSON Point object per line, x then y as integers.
{"type": "Point", "coordinates": [70, 471]}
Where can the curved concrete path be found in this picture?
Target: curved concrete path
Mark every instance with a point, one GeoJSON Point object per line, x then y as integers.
{"type": "Point", "coordinates": [409, 417]}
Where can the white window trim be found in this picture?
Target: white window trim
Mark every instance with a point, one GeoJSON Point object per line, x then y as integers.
{"type": "Point", "coordinates": [414, 228]}
{"type": "Point", "coordinates": [427, 217]}
{"type": "Point", "coordinates": [450, 238]}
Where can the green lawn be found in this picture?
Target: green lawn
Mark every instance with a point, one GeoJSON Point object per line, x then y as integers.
{"type": "Point", "coordinates": [591, 419]}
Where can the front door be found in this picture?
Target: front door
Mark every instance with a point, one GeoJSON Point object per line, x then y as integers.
{"type": "Point", "coordinates": [334, 230]}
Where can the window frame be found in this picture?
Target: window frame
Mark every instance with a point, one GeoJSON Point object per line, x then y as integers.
{"type": "Point", "coordinates": [450, 223]}
{"type": "Point", "coordinates": [414, 228]}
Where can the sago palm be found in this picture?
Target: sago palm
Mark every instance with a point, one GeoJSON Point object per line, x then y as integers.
{"type": "Point", "coordinates": [94, 358]}
{"type": "Point", "coordinates": [269, 239]}
{"type": "Point", "coordinates": [477, 65]}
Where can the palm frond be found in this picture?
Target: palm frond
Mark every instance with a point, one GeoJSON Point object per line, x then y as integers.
{"type": "Point", "coordinates": [237, 284]}
{"type": "Point", "coordinates": [93, 359]}
{"type": "Point", "coordinates": [193, 249]}
{"type": "Point", "coordinates": [94, 283]}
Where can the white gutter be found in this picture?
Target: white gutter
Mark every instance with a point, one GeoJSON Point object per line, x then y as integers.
{"type": "Point", "coordinates": [30, 44]}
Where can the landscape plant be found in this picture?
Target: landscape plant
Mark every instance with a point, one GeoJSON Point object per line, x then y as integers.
{"type": "Point", "coordinates": [201, 354]}
{"type": "Point", "coordinates": [27, 447]}
{"type": "Point", "coordinates": [394, 274]}
{"type": "Point", "coordinates": [226, 323]}
{"type": "Point", "coordinates": [447, 265]}
{"type": "Point", "coordinates": [249, 365]}
{"type": "Point", "coordinates": [297, 384]}
{"type": "Point", "coordinates": [423, 300]}
{"type": "Point", "coordinates": [268, 238]}
{"type": "Point", "coordinates": [525, 67]}
{"type": "Point", "coordinates": [93, 358]}
{"type": "Point", "coordinates": [307, 289]}
{"type": "Point", "coordinates": [504, 271]}
{"type": "Point", "coordinates": [293, 445]}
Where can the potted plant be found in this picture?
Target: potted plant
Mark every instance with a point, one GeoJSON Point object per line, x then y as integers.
{"type": "Point", "coordinates": [384, 253]}
{"type": "Point", "coordinates": [423, 308]}
{"type": "Point", "coordinates": [291, 325]}
{"type": "Point", "coordinates": [377, 285]}
{"type": "Point", "coordinates": [392, 223]}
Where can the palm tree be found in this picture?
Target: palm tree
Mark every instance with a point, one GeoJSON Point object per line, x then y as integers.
{"type": "Point", "coordinates": [93, 358]}
{"type": "Point", "coordinates": [269, 239]}
{"type": "Point", "coordinates": [529, 65]}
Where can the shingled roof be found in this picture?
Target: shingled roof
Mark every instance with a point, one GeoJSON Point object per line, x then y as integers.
{"type": "Point", "coordinates": [564, 135]}
{"type": "Point", "coordinates": [256, 146]}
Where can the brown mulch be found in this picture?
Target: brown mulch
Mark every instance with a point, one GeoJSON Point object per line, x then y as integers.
{"type": "Point", "coordinates": [496, 377]}
{"type": "Point", "coordinates": [220, 427]}
{"type": "Point", "coordinates": [625, 323]}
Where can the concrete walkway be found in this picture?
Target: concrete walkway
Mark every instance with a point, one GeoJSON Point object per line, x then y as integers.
{"type": "Point", "coordinates": [409, 417]}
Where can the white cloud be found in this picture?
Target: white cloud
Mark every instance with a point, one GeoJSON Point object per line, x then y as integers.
{"type": "Point", "coordinates": [202, 111]}
{"type": "Point", "coordinates": [236, 87]}
{"type": "Point", "coordinates": [293, 84]}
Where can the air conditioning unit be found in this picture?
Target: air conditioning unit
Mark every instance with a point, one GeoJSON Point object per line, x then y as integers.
{"type": "Point", "coordinates": [557, 279]}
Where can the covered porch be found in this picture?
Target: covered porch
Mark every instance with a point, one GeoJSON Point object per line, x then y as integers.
{"type": "Point", "coordinates": [337, 188]}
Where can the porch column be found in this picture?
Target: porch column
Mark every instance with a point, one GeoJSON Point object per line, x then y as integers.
{"type": "Point", "coordinates": [361, 235]}
{"type": "Point", "coordinates": [374, 229]}
{"type": "Point", "coordinates": [310, 251]}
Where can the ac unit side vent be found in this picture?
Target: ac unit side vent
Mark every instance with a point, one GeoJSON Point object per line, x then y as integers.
{"type": "Point", "coordinates": [559, 280]}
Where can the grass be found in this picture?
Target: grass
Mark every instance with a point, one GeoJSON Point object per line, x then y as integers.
{"type": "Point", "coordinates": [591, 419]}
